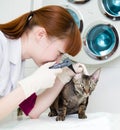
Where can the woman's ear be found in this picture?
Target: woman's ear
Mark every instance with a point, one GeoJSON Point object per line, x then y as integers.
{"type": "Point", "coordinates": [40, 33]}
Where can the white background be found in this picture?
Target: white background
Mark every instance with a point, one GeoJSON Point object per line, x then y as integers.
{"type": "Point", "coordinates": [106, 96]}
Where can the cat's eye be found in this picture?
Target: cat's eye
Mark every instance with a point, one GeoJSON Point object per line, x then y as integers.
{"type": "Point", "coordinates": [77, 92]}
{"type": "Point", "coordinates": [91, 85]}
{"type": "Point", "coordinates": [91, 88]}
{"type": "Point", "coordinates": [82, 85]}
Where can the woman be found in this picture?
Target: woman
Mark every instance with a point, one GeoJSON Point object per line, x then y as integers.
{"type": "Point", "coordinates": [43, 35]}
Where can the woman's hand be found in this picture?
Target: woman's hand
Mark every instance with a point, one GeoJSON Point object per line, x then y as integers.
{"type": "Point", "coordinates": [42, 78]}
{"type": "Point", "coordinates": [67, 73]}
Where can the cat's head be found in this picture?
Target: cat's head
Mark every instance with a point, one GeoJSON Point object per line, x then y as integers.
{"type": "Point", "coordinates": [85, 84]}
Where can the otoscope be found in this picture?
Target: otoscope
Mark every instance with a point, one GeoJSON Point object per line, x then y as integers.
{"type": "Point", "coordinates": [66, 63]}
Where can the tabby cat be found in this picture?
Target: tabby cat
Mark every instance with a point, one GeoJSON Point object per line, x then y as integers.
{"type": "Point", "coordinates": [73, 98]}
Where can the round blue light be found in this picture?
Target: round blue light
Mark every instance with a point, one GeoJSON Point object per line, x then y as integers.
{"type": "Point", "coordinates": [112, 8]}
{"type": "Point", "coordinates": [78, 1]}
{"type": "Point", "coordinates": [75, 17]}
{"type": "Point", "coordinates": [101, 40]}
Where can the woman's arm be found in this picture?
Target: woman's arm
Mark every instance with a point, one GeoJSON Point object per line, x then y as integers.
{"type": "Point", "coordinates": [42, 77]}
{"type": "Point", "coordinates": [11, 101]}
{"type": "Point", "coordinates": [45, 99]}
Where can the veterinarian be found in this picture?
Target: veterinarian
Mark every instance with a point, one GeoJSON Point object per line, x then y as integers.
{"type": "Point", "coordinates": [43, 35]}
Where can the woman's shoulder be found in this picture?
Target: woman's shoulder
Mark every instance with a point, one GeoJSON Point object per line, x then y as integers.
{"type": "Point", "coordinates": [2, 37]}
{"type": "Point", "coordinates": [1, 34]}
{"type": "Point", "coordinates": [3, 45]}
{"type": "Point", "coordinates": [3, 41]}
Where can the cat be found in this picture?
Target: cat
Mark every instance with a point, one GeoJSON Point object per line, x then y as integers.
{"type": "Point", "coordinates": [73, 99]}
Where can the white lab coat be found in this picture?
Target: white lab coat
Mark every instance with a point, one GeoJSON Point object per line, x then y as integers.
{"type": "Point", "coordinates": [11, 66]}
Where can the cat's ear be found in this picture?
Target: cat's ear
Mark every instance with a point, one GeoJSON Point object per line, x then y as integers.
{"type": "Point", "coordinates": [95, 75]}
{"type": "Point", "coordinates": [77, 77]}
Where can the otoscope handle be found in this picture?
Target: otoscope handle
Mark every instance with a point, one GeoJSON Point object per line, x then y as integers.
{"type": "Point", "coordinates": [66, 63]}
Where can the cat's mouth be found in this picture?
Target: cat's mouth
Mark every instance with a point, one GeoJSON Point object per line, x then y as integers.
{"type": "Point", "coordinates": [86, 95]}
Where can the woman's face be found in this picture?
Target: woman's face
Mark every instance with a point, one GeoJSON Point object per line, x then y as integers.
{"type": "Point", "coordinates": [50, 49]}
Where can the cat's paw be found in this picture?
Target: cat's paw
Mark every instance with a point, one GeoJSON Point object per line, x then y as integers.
{"type": "Point", "coordinates": [83, 116]}
{"type": "Point", "coordinates": [60, 118]}
{"type": "Point", "coordinates": [51, 114]}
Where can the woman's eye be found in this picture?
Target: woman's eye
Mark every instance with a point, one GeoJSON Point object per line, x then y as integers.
{"type": "Point", "coordinates": [61, 53]}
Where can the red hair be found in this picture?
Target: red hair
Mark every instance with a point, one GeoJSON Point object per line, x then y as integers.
{"type": "Point", "coordinates": [57, 22]}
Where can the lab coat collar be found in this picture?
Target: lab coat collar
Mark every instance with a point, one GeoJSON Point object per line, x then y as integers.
{"type": "Point", "coordinates": [15, 51]}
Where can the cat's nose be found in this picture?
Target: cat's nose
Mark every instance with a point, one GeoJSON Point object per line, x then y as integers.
{"type": "Point", "coordinates": [86, 90]}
